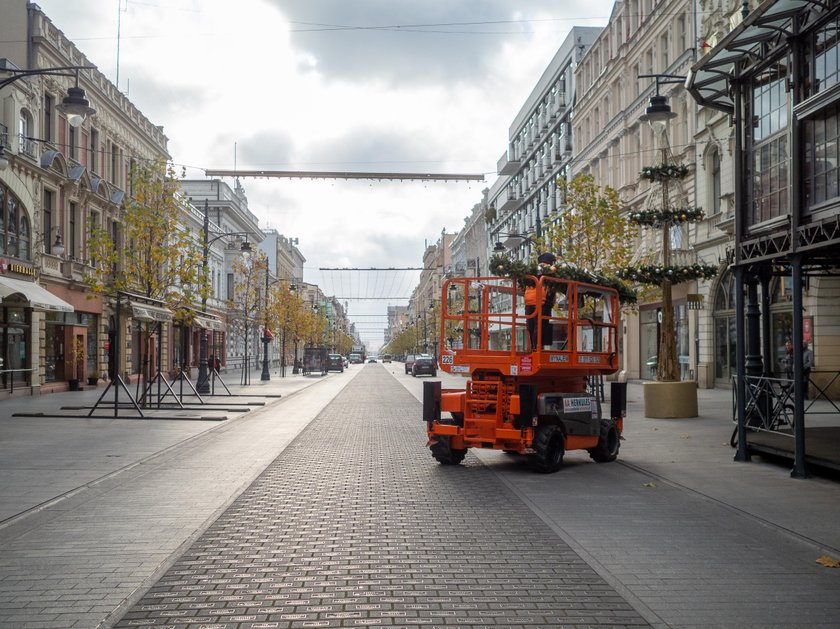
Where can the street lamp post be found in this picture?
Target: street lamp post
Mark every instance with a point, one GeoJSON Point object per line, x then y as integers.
{"type": "Point", "coordinates": [203, 384]}
{"type": "Point", "coordinates": [265, 374]}
{"type": "Point", "coordinates": [75, 106]}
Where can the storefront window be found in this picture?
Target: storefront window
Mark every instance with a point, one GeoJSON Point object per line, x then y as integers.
{"type": "Point", "coordinates": [54, 347]}
{"type": "Point", "coordinates": [14, 330]}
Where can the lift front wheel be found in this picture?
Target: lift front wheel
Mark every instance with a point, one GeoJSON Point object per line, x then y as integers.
{"type": "Point", "coordinates": [441, 446]}
{"type": "Point", "coordinates": [608, 443]}
{"type": "Point", "coordinates": [549, 447]}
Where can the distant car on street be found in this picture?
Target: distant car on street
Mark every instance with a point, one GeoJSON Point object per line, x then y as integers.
{"type": "Point", "coordinates": [335, 362]}
{"type": "Point", "coordinates": [386, 358]}
{"type": "Point", "coordinates": [371, 359]}
{"type": "Point", "coordinates": [423, 365]}
{"type": "Point", "coordinates": [409, 361]}
{"type": "Point", "coordinates": [356, 359]}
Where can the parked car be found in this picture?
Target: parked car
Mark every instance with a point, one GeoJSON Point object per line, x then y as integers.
{"type": "Point", "coordinates": [335, 362]}
{"type": "Point", "coordinates": [356, 359]}
{"type": "Point", "coordinates": [423, 365]}
{"type": "Point", "coordinates": [409, 361]}
{"type": "Point", "coordinates": [386, 358]}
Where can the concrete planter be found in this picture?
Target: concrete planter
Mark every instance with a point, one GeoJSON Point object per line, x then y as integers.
{"type": "Point", "coordinates": [670, 400]}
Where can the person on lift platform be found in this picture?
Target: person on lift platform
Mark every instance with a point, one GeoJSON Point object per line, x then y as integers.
{"type": "Point", "coordinates": [545, 260]}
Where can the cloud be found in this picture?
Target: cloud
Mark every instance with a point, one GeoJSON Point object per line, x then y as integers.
{"type": "Point", "coordinates": [436, 39]}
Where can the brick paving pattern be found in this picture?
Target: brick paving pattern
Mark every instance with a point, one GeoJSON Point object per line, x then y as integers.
{"type": "Point", "coordinates": [355, 525]}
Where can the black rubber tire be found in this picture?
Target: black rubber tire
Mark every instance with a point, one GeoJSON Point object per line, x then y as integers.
{"type": "Point", "coordinates": [442, 450]}
{"type": "Point", "coordinates": [549, 448]}
{"type": "Point", "coordinates": [434, 374]}
{"type": "Point", "coordinates": [609, 442]}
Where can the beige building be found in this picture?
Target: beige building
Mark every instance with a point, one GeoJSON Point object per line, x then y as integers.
{"type": "Point", "coordinates": [57, 177]}
{"type": "Point", "coordinates": [643, 37]}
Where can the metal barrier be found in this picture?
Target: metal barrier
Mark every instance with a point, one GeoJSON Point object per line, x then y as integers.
{"type": "Point", "coordinates": [770, 405]}
{"type": "Point", "coordinates": [11, 388]}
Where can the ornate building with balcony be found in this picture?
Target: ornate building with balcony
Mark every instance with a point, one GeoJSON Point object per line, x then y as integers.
{"type": "Point", "coordinates": [59, 178]}
{"type": "Point", "coordinates": [612, 144]}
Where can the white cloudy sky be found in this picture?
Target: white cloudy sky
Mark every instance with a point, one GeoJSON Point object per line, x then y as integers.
{"type": "Point", "coordinates": [377, 85]}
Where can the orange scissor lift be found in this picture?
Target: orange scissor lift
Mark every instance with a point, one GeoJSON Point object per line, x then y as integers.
{"type": "Point", "coordinates": [523, 397]}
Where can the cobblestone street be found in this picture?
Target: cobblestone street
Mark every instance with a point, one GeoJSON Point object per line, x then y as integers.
{"type": "Point", "coordinates": [356, 525]}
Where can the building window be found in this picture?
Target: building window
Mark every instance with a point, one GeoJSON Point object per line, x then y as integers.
{"type": "Point", "coordinates": [15, 235]}
{"type": "Point", "coordinates": [48, 117]}
{"type": "Point", "coordinates": [826, 56]}
{"type": "Point", "coordinates": [71, 141]}
{"type": "Point", "coordinates": [49, 196]}
{"type": "Point", "coordinates": [769, 147]}
{"type": "Point", "coordinates": [94, 148]}
{"type": "Point", "coordinates": [27, 146]}
{"type": "Point", "coordinates": [822, 157]}
{"type": "Point", "coordinates": [72, 243]}
{"type": "Point", "coordinates": [115, 164]}
{"type": "Point", "coordinates": [725, 327]}
{"type": "Point", "coordinates": [714, 181]}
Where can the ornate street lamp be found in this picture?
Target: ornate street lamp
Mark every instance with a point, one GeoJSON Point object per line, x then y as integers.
{"type": "Point", "coordinates": [75, 106]}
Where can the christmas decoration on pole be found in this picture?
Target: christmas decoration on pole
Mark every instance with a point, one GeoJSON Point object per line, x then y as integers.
{"type": "Point", "coordinates": [664, 212]}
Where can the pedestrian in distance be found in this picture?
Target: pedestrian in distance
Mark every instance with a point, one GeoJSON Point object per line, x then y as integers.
{"type": "Point", "coordinates": [807, 365]}
{"type": "Point", "coordinates": [787, 361]}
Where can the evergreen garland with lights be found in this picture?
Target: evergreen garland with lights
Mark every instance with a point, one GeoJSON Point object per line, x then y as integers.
{"type": "Point", "coordinates": [519, 271]}
{"type": "Point", "coordinates": [663, 172]}
{"type": "Point", "coordinates": [672, 216]}
{"type": "Point", "coordinates": [655, 273]}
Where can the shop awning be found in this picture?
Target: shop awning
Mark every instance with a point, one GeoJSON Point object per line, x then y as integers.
{"type": "Point", "coordinates": [146, 312]}
{"type": "Point", "coordinates": [38, 296]}
{"type": "Point", "coordinates": [206, 322]}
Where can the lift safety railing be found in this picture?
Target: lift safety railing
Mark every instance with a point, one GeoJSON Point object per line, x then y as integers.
{"type": "Point", "coordinates": [484, 318]}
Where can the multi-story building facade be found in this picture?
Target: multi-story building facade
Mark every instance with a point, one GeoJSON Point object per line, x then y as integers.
{"type": "Point", "coordinates": [469, 246]}
{"type": "Point", "coordinates": [227, 213]}
{"type": "Point", "coordinates": [643, 37]}
{"type": "Point", "coordinates": [539, 151]}
{"type": "Point", "coordinates": [57, 179]}
{"type": "Point", "coordinates": [776, 74]}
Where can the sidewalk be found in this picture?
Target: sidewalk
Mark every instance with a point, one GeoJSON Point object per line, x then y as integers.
{"type": "Point", "coordinates": [50, 447]}
{"type": "Point", "coordinates": [101, 508]}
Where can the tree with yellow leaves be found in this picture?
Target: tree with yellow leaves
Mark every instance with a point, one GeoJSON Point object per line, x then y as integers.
{"type": "Point", "coordinates": [246, 306]}
{"type": "Point", "coordinates": [148, 251]}
{"type": "Point", "coordinates": [592, 232]}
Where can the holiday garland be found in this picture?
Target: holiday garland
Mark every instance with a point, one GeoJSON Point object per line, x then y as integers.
{"type": "Point", "coordinates": [518, 270]}
{"type": "Point", "coordinates": [664, 171]}
{"type": "Point", "coordinates": [672, 216]}
{"type": "Point", "coordinates": [656, 273]}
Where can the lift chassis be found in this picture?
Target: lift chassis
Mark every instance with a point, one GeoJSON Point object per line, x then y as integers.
{"type": "Point", "coordinates": [528, 371]}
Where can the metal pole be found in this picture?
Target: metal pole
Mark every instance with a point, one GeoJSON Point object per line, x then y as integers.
{"type": "Point", "coordinates": [203, 380]}
{"type": "Point", "coordinates": [265, 374]}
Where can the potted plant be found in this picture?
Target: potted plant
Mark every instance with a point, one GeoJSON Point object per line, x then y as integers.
{"type": "Point", "coordinates": [79, 356]}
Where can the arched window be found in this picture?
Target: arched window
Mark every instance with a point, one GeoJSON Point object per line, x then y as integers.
{"type": "Point", "coordinates": [27, 146]}
{"type": "Point", "coordinates": [15, 233]}
{"type": "Point", "coordinates": [725, 327]}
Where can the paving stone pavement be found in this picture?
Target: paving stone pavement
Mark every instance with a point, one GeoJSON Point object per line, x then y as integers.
{"type": "Point", "coordinates": [354, 525]}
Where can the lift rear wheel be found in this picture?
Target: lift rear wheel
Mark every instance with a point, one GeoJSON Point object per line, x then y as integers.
{"type": "Point", "coordinates": [549, 448]}
{"type": "Point", "coordinates": [608, 443]}
{"type": "Point", "coordinates": [442, 449]}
